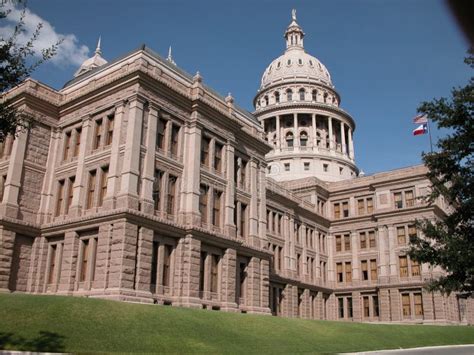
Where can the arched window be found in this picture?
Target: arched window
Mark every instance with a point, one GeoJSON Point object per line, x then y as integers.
{"type": "Point", "coordinates": [277, 97]}
{"type": "Point", "coordinates": [289, 62]}
{"type": "Point", "coordinates": [325, 97]}
{"type": "Point", "coordinates": [300, 62]}
{"type": "Point", "coordinates": [289, 139]}
{"type": "Point", "coordinates": [266, 100]}
{"type": "Point", "coordinates": [301, 94]}
{"type": "Point", "coordinates": [314, 95]}
{"type": "Point", "coordinates": [303, 138]}
{"type": "Point", "coordinates": [289, 95]}
{"type": "Point", "coordinates": [318, 139]}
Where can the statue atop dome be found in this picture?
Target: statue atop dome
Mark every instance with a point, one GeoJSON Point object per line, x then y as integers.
{"type": "Point", "coordinates": [293, 14]}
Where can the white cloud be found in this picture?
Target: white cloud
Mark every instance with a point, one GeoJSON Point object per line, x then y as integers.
{"type": "Point", "coordinates": [70, 52]}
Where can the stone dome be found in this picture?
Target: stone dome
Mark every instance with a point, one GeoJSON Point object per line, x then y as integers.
{"type": "Point", "coordinates": [295, 64]}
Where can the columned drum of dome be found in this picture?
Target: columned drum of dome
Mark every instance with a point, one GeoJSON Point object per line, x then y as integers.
{"type": "Point", "coordinates": [298, 106]}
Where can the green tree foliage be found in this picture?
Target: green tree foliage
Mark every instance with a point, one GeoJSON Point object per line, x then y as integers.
{"type": "Point", "coordinates": [17, 62]}
{"type": "Point", "coordinates": [449, 243]}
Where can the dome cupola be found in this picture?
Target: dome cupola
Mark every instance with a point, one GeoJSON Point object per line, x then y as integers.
{"type": "Point", "coordinates": [93, 62]}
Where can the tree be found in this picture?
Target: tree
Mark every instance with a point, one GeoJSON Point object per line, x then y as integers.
{"type": "Point", "coordinates": [449, 242]}
{"type": "Point", "coordinates": [17, 62]}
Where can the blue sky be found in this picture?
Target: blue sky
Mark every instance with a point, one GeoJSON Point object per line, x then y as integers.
{"type": "Point", "coordinates": [384, 56]}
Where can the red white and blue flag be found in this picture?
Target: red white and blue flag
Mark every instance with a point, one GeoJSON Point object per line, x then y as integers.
{"type": "Point", "coordinates": [421, 118]}
{"type": "Point", "coordinates": [421, 129]}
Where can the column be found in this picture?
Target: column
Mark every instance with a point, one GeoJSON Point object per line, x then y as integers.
{"type": "Point", "coordinates": [144, 256]}
{"type": "Point", "coordinates": [189, 208]}
{"type": "Point", "coordinates": [262, 205]}
{"type": "Point", "coordinates": [128, 195]}
{"type": "Point", "coordinates": [296, 142]}
{"type": "Point", "coordinates": [148, 178]}
{"type": "Point", "coordinates": [253, 215]}
{"type": "Point", "coordinates": [392, 243]}
{"type": "Point", "coordinates": [313, 126]}
{"type": "Point", "coordinates": [7, 240]}
{"type": "Point", "coordinates": [383, 262]}
{"type": "Point", "coordinates": [331, 138]}
{"type": "Point", "coordinates": [69, 263]}
{"type": "Point", "coordinates": [355, 259]}
{"type": "Point", "coordinates": [330, 265]}
{"type": "Point", "coordinates": [81, 175]}
{"type": "Point", "coordinates": [228, 277]}
{"type": "Point", "coordinates": [230, 227]}
{"type": "Point", "coordinates": [351, 144]}
{"type": "Point", "coordinates": [278, 132]}
{"type": "Point", "coordinates": [9, 206]}
{"type": "Point", "coordinates": [189, 250]}
{"type": "Point", "coordinates": [343, 139]}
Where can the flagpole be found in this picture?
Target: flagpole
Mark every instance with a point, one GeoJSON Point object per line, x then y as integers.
{"type": "Point", "coordinates": [429, 132]}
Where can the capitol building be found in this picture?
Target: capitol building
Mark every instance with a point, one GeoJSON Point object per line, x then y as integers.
{"type": "Point", "coordinates": [140, 183]}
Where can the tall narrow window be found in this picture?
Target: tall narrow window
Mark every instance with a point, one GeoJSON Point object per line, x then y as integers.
{"type": "Point", "coordinates": [340, 307]}
{"type": "Point", "coordinates": [412, 232]}
{"type": "Point", "coordinates": [205, 143]}
{"type": "Point", "coordinates": [85, 260]}
{"type": "Point", "coordinates": [216, 209]}
{"type": "Point", "coordinates": [218, 157]}
{"type": "Point", "coordinates": [406, 305]}
{"type": "Point", "coordinates": [373, 269]}
{"type": "Point", "coordinates": [289, 140]}
{"type": "Point", "coordinates": [52, 263]}
{"type": "Point", "coordinates": [3, 180]}
{"type": "Point", "coordinates": [157, 189]}
{"type": "Point", "coordinates": [214, 272]}
{"type": "Point", "coordinates": [171, 200]}
{"type": "Point", "coordinates": [415, 268]}
{"type": "Point", "coordinates": [91, 189]}
{"type": "Point", "coordinates": [304, 140]}
{"type": "Point", "coordinates": [403, 266]}
{"type": "Point", "coordinates": [363, 240]}
{"type": "Point", "coordinates": [337, 210]}
{"type": "Point", "coordinates": [401, 236]}
{"type": "Point", "coordinates": [60, 199]}
{"type": "Point", "coordinates": [154, 265]}
{"type": "Point", "coordinates": [366, 307]}
{"type": "Point", "coordinates": [277, 97]}
{"type": "Point", "coordinates": [203, 203]}
{"type": "Point", "coordinates": [418, 304]}
{"type": "Point", "coordinates": [370, 205]}
{"type": "Point", "coordinates": [365, 270]}
{"type": "Point", "coordinates": [160, 134]}
{"type": "Point", "coordinates": [360, 207]}
{"type": "Point", "coordinates": [348, 266]}
{"type": "Point", "coordinates": [314, 95]}
{"type": "Point", "coordinates": [70, 193]}
{"type": "Point", "coordinates": [340, 275]}
{"type": "Point", "coordinates": [347, 242]}
{"type": "Point", "coordinates": [349, 307]}
{"type": "Point", "coordinates": [242, 277]}
{"type": "Point", "coordinates": [98, 133]}
{"type": "Point", "coordinates": [174, 140]}
{"type": "Point", "coordinates": [398, 200]}
{"type": "Point", "coordinates": [409, 201]}
{"type": "Point", "coordinates": [243, 220]}
{"type": "Point", "coordinates": [167, 265]}
{"type": "Point", "coordinates": [202, 269]}
{"type": "Point", "coordinates": [110, 130]}
{"type": "Point", "coordinates": [289, 95]}
{"type": "Point", "coordinates": [298, 264]}
{"type": "Point", "coordinates": [243, 174]}
{"type": "Point", "coordinates": [345, 209]}
{"type": "Point", "coordinates": [375, 301]}
{"type": "Point", "coordinates": [103, 185]}
{"type": "Point", "coordinates": [372, 239]}
{"type": "Point", "coordinates": [301, 92]}
{"type": "Point", "coordinates": [67, 145]}
{"type": "Point", "coordinates": [338, 243]}
{"type": "Point", "coordinates": [77, 146]}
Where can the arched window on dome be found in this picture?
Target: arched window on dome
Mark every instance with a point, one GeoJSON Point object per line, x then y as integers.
{"type": "Point", "coordinates": [301, 92]}
{"type": "Point", "coordinates": [314, 95]}
{"type": "Point", "coordinates": [325, 97]}
{"type": "Point", "coordinates": [289, 140]}
{"type": "Point", "coordinates": [277, 97]}
{"type": "Point", "coordinates": [289, 62]}
{"type": "Point", "coordinates": [300, 62]}
{"type": "Point", "coordinates": [278, 65]}
{"type": "Point", "coordinates": [333, 99]}
{"type": "Point", "coordinates": [303, 139]}
{"type": "Point", "coordinates": [266, 100]}
{"type": "Point", "coordinates": [289, 95]}
{"type": "Point", "coordinates": [318, 139]}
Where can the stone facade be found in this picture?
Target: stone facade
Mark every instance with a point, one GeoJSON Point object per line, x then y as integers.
{"type": "Point", "coordinates": [140, 183]}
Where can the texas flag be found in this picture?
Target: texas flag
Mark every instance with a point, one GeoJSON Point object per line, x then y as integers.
{"type": "Point", "coordinates": [421, 129]}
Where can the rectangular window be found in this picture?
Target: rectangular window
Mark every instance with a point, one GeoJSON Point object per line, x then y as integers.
{"type": "Point", "coordinates": [242, 277]}
{"type": "Point", "coordinates": [365, 270]}
{"type": "Point", "coordinates": [67, 145]}
{"type": "Point", "coordinates": [52, 264]}
{"type": "Point", "coordinates": [406, 305]}
{"type": "Point", "coordinates": [205, 143]}
{"type": "Point", "coordinates": [77, 146]}
{"type": "Point", "coordinates": [202, 268]}
{"type": "Point", "coordinates": [370, 205]}
{"type": "Point", "coordinates": [3, 180]}
{"type": "Point", "coordinates": [397, 196]}
{"type": "Point", "coordinates": [160, 134]}
{"type": "Point", "coordinates": [375, 301]}
{"type": "Point", "coordinates": [243, 175]}
{"type": "Point", "coordinates": [306, 166]}
{"type": "Point", "coordinates": [154, 264]}
{"type": "Point", "coordinates": [216, 209]}
{"type": "Point", "coordinates": [337, 211]}
{"type": "Point", "coordinates": [415, 268]}
{"type": "Point", "coordinates": [340, 276]}
{"type": "Point", "coordinates": [214, 272]}
{"type": "Point", "coordinates": [165, 281]}
{"type": "Point", "coordinates": [373, 269]}
{"type": "Point", "coordinates": [171, 198]}
{"type": "Point", "coordinates": [91, 189]}
{"type": "Point", "coordinates": [103, 185]}
{"type": "Point", "coordinates": [360, 207]}
{"type": "Point", "coordinates": [85, 260]}
{"type": "Point", "coordinates": [372, 239]}
{"type": "Point", "coordinates": [70, 193]}
{"type": "Point", "coordinates": [412, 232]}
{"type": "Point", "coordinates": [409, 201]}
{"type": "Point", "coordinates": [110, 130]}
{"type": "Point", "coordinates": [366, 307]}
{"type": "Point", "coordinates": [98, 134]}
{"type": "Point", "coordinates": [287, 166]}
{"type": "Point", "coordinates": [363, 240]}
{"type": "Point", "coordinates": [348, 267]}
{"type": "Point", "coordinates": [403, 266]}
{"type": "Point", "coordinates": [218, 148]}
{"type": "Point", "coordinates": [401, 237]}
{"type": "Point", "coordinates": [340, 307]}
{"type": "Point", "coordinates": [174, 140]}
{"type": "Point", "coordinates": [349, 307]}
{"type": "Point", "coordinates": [60, 199]}
{"type": "Point", "coordinates": [345, 209]}
{"type": "Point", "coordinates": [347, 242]}
{"type": "Point", "coordinates": [203, 202]}
{"type": "Point", "coordinates": [243, 220]}
{"type": "Point", "coordinates": [325, 168]}
{"type": "Point", "coordinates": [418, 304]}
{"type": "Point", "coordinates": [157, 183]}
{"type": "Point", "coordinates": [298, 264]}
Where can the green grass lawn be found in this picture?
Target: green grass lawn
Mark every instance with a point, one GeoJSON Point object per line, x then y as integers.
{"type": "Point", "coordinates": [51, 323]}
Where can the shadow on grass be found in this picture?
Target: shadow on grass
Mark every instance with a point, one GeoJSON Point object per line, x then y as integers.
{"type": "Point", "coordinates": [45, 341]}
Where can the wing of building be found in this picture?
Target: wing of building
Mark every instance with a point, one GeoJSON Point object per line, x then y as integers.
{"type": "Point", "coordinates": [140, 183]}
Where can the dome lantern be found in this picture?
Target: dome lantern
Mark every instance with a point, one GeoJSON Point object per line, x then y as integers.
{"type": "Point", "coordinates": [294, 34]}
